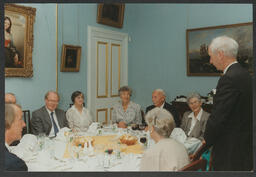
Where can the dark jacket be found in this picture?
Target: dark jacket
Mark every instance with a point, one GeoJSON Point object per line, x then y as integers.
{"type": "Point", "coordinates": [229, 127]}
{"type": "Point", "coordinates": [170, 109]}
{"type": "Point", "coordinates": [41, 121]}
{"type": "Point", "coordinates": [12, 162]}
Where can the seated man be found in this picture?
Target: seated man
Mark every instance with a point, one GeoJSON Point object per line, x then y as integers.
{"type": "Point", "coordinates": [49, 119]}
{"type": "Point", "coordinates": [10, 98]}
{"type": "Point", "coordinates": [158, 98]}
{"type": "Point", "coordinates": [13, 129]}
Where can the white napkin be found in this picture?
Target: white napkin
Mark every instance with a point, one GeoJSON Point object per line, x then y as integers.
{"type": "Point", "coordinates": [179, 135]}
{"type": "Point", "coordinates": [60, 134]}
{"type": "Point", "coordinates": [59, 149]}
{"type": "Point", "coordinates": [192, 144]}
{"type": "Point", "coordinates": [93, 127]}
{"type": "Point", "coordinates": [26, 148]}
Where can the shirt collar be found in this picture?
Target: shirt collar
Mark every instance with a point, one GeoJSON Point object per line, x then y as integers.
{"type": "Point", "coordinates": [199, 115]}
{"type": "Point", "coordinates": [162, 106]}
{"type": "Point", "coordinates": [225, 70]}
{"type": "Point", "coordinates": [49, 112]}
{"type": "Point", "coordinates": [7, 146]}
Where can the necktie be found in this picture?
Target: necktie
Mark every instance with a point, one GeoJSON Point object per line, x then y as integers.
{"type": "Point", "coordinates": [56, 130]}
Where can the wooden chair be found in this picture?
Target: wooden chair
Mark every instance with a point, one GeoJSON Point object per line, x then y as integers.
{"type": "Point", "coordinates": [199, 164]}
{"type": "Point", "coordinates": [26, 118]}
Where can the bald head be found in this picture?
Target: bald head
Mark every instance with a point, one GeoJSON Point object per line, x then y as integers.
{"type": "Point", "coordinates": [158, 97]}
{"type": "Point", "coordinates": [10, 98]}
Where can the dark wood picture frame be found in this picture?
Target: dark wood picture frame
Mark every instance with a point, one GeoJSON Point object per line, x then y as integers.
{"type": "Point", "coordinates": [19, 40]}
{"type": "Point", "coordinates": [111, 14]}
{"type": "Point", "coordinates": [198, 39]}
{"type": "Point", "coordinates": [70, 58]}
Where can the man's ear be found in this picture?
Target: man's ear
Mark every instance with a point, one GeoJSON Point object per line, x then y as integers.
{"type": "Point", "coordinates": [220, 54]}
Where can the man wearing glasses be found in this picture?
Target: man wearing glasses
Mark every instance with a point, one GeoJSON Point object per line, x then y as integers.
{"type": "Point", "coordinates": [49, 119]}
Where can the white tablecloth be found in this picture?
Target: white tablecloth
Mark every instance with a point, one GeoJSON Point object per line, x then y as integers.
{"type": "Point", "coordinates": [50, 157]}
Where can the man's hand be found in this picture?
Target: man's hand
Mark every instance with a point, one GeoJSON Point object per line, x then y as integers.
{"type": "Point", "coordinates": [122, 125]}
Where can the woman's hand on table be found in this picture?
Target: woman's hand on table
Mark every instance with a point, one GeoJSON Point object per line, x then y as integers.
{"type": "Point", "coordinates": [122, 125]}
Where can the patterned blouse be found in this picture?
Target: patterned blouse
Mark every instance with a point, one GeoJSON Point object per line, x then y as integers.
{"type": "Point", "coordinates": [79, 121]}
{"type": "Point", "coordinates": [130, 116]}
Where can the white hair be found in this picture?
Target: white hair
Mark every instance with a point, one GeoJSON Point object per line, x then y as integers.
{"type": "Point", "coordinates": [193, 95]}
{"type": "Point", "coordinates": [160, 90]}
{"type": "Point", "coordinates": [162, 121]}
{"type": "Point", "coordinates": [226, 44]}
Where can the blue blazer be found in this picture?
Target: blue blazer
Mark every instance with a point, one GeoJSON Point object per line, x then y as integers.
{"type": "Point", "coordinates": [12, 162]}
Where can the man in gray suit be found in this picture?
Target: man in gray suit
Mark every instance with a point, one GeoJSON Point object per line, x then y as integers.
{"type": "Point", "coordinates": [49, 119]}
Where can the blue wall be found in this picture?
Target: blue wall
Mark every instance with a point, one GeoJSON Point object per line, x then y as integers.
{"type": "Point", "coordinates": [30, 91]}
{"type": "Point", "coordinates": [157, 50]}
{"type": "Point", "coordinates": [73, 23]}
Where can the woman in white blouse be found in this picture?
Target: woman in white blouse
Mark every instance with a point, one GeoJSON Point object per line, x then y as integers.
{"type": "Point", "coordinates": [79, 118]}
{"type": "Point", "coordinates": [126, 112]}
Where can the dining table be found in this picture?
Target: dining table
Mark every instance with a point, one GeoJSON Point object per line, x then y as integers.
{"type": "Point", "coordinates": [102, 150]}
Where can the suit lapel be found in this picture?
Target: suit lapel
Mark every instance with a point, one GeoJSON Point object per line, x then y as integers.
{"type": "Point", "coordinates": [58, 118]}
{"type": "Point", "coordinates": [47, 117]}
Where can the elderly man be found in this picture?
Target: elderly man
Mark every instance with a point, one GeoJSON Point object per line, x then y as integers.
{"type": "Point", "coordinates": [10, 98]}
{"type": "Point", "coordinates": [229, 127]}
{"type": "Point", "coordinates": [158, 98]}
{"type": "Point", "coordinates": [49, 119]}
{"type": "Point", "coordinates": [13, 129]}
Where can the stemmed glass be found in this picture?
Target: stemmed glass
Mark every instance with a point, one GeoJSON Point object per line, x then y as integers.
{"type": "Point", "coordinates": [41, 140]}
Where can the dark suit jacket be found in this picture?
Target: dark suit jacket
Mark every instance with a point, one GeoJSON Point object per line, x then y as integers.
{"type": "Point", "coordinates": [41, 121]}
{"type": "Point", "coordinates": [169, 108]}
{"type": "Point", "coordinates": [12, 162]}
{"type": "Point", "coordinates": [199, 128]}
{"type": "Point", "coordinates": [229, 127]}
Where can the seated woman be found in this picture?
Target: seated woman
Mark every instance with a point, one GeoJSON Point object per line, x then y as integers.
{"type": "Point", "coordinates": [194, 121]}
{"type": "Point", "coordinates": [79, 118]}
{"type": "Point", "coordinates": [167, 154]}
{"type": "Point", "coordinates": [126, 112]}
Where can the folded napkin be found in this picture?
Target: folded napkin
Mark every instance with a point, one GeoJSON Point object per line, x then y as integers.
{"type": "Point", "coordinates": [61, 134]}
{"type": "Point", "coordinates": [93, 127]}
{"type": "Point", "coordinates": [26, 148]}
{"type": "Point", "coordinates": [179, 135]}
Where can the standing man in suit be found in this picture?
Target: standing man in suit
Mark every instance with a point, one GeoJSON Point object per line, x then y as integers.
{"type": "Point", "coordinates": [158, 99]}
{"type": "Point", "coordinates": [49, 119]}
{"type": "Point", "coordinates": [229, 127]}
{"type": "Point", "coordinates": [13, 130]}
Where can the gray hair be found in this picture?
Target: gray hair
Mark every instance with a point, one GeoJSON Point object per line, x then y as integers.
{"type": "Point", "coordinates": [161, 91]}
{"type": "Point", "coordinates": [193, 95]}
{"type": "Point", "coordinates": [51, 91]}
{"type": "Point", "coordinates": [125, 89]}
{"type": "Point", "coordinates": [162, 121]}
{"type": "Point", "coordinates": [10, 114]}
{"type": "Point", "coordinates": [226, 44]}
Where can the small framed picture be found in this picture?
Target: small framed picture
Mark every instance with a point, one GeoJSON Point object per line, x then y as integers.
{"type": "Point", "coordinates": [111, 14]}
{"type": "Point", "coordinates": [70, 58]}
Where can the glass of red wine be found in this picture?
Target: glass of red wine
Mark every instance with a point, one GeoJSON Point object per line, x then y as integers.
{"type": "Point", "coordinates": [143, 140]}
{"type": "Point", "coordinates": [110, 151]}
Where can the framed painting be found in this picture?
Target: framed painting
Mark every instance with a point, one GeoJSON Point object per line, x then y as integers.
{"type": "Point", "coordinates": [70, 58]}
{"type": "Point", "coordinates": [197, 47]}
{"type": "Point", "coordinates": [18, 44]}
{"type": "Point", "coordinates": [111, 14]}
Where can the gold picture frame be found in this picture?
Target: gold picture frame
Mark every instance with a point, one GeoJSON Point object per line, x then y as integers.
{"type": "Point", "coordinates": [18, 40]}
{"type": "Point", "coordinates": [70, 58]}
{"type": "Point", "coordinates": [111, 14]}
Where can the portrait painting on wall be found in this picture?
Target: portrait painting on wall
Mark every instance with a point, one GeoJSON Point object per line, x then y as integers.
{"type": "Point", "coordinates": [198, 40]}
{"type": "Point", "coordinates": [70, 60]}
{"type": "Point", "coordinates": [111, 14]}
{"type": "Point", "coordinates": [18, 44]}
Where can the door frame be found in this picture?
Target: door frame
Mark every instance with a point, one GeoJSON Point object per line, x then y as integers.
{"type": "Point", "coordinates": [92, 31]}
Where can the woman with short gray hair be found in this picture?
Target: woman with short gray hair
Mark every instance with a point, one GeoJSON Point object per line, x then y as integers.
{"type": "Point", "coordinates": [194, 122]}
{"type": "Point", "coordinates": [126, 112]}
{"type": "Point", "coordinates": [167, 154]}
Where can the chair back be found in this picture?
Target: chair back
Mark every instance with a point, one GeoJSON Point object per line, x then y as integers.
{"type": "Point", "coordinates": [196, 165]}
{"type": "Point", "coordinates": [26, 118]}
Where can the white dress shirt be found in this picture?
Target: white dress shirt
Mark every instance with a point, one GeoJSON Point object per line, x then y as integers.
{"type": "Point", "coordinates": [225, 70]}
{"type": "Point", "coordinates": [52, 134]}
{"type": "Point", "coordinates": [7, 146]}
{"type": "Point", "coordinates": [194, 119]}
